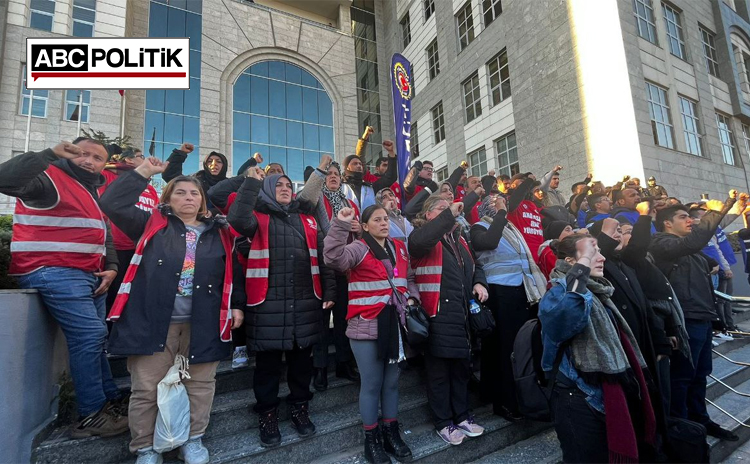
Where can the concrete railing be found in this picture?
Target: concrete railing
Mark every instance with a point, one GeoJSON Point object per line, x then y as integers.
{"type": "Point", "coordinates": [33, 355]}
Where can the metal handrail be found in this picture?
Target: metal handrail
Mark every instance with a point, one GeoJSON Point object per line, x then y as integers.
{"type": "Point", "coordinates": [727, 413]}
{"type": "Point", "coordinates": [746, 395]}
{"type": "Point", "coordinates": [739, 363]}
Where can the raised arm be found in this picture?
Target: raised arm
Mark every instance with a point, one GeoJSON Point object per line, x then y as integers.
{"type": "Point", "coordinates": [423, 239]}
{"type": "Point", "coordinates": [218, 195]}
{"type": "Point", "coordinates": [121, 197]}
{"type": "Point", "coordinates": [520, 194]}
{"type": "Point", "coordinates": [314, 185]}
{"type": "Point", "coordinates": [391, 174]}
{"type": "Point", "coordinates": [241, 214]}
{"type": "Point", "coordinates": [337, 254]}
{"type": "Point", "coordinates": [22, 176]}
{"type": "Point", "coordinates": [176, 160]}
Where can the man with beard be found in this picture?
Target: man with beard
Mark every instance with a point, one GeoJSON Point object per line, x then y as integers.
{"type": "Point", "coordinates": [61, 247]}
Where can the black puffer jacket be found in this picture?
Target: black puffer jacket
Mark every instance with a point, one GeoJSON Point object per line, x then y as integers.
{"type": "Point", "coordinates": [142, 328]}
{"type": "Point", "coordinates": [291, 314]}
{"type": "Point", "coordinates": [449, 329]}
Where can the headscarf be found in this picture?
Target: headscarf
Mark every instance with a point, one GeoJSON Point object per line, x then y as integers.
{"type": "Point", "coordinates": [268, 192]}
{"type": "Point", "coordinates": [211, 179]}
{"type": "Point", "coordinates": [337, 199]}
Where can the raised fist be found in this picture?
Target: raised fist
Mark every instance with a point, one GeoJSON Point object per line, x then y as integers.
{"type": "Point", "coordinates": [66, 150]}
{"type": "Point", "coordinates": [457, 208]}
{"type": "Point", "coordinates": [256, 173]}
{"type": "Point", "coordinates": [368, 132]}
{"type": "Point", "coordinates": [151, 166]}
{"type": "Point", "coordinates": [389, 147]}
{"type": "Point", "coordinates": [325, 162]}
{"type": "Point", "coordinates": [187, 147]}
{"type": "Point", "coordinates": [346, 214]}
{"type": "Point", "coordinates": [258, 157]}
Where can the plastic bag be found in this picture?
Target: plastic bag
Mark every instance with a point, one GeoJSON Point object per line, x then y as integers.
{"type": "Point", "coordinates": [173, 421]}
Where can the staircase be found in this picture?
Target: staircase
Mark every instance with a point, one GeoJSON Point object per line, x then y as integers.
{"type": "Point", "coordinates": [232, 435]}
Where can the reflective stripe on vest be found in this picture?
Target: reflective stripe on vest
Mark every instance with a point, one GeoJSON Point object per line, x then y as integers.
{"type": "Point", "coordinates": [71, 233]}
{"type": "Point", "coordinates": [258, 260]}
{"type": "Point", "coordinates": [369, 288]}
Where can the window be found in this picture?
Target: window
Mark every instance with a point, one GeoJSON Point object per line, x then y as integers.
{"type": "Point", "coordinates": [433, 60]}
{"type": "Point", "coordinates": [661, 122]}
{"type": "Point", "coordinates": [478, 162]}
{"type": "Point", "coordinates": [429, 8]}
{"type": "Point", "coordinates": [465, 26]}
{"type": "Point", "coordinates": [472, 99]}
{"type": "Point", "coordinates": [742, 60]}
{"type": "Point", "coordinates": [39, 105]}
{"type": "Point", "coordinates": [644, 17]}
{"type": "Point", "coordinates": [709, 53]}
{"type": "Point", "coordinates": [84, 17]}
{"type": "Point", "coordinates": [730, 4]}
{"type": "Point", "coordinates": [491, 9]}
{"type": "Point", "coordinates": [366, 67]}
{"type": "Point", "coordinates": [689, 111]}
{"type": "Point", "coordinates": [725, 138]}
{"type": "Point", "coordinates": [406, 30]}
{"type": "Point", "coordinates": [507, 155]}
{"type": "Point", "coordinates": [746, 137]}
{"type": "Point", "coordinates": [674, 31]}
{"type": "Point", "coordinates": [172, 116]}
{"type": "Point", "coordinates": [72, 112]}
{"type": "Point", "coordinates": [42, 14]}
{"type": "Point", "coordinates": [283, 112]}
{"type": "Point", "coordinates": [438, 123]}
{"type": "Point", "coordinates": [442, 174]}
{"type": "Point", "coordinates": [497, 68]}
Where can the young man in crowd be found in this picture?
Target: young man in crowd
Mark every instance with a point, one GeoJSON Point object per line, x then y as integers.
{"type": "Point", "coordinates": [549, 185]}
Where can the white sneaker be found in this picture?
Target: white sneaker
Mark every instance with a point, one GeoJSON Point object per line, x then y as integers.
{"type": "Point", "coordinates": [239, 357]}
{"type": "Point", "coordinates": [193, 452]}
{"type": "Point", "coordinates": [714, 343]}
{"type": "Point", "coordinates": [149, 456]}
{"type": "Point", "coordinates": [724, 336]}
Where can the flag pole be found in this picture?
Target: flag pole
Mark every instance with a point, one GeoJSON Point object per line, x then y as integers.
{"type": "Point", "coordinates": [28, 122]}
{"type": "Point", "coordinates": [80, 112]}
{"type": "Point", "coordinates": [122, 114]}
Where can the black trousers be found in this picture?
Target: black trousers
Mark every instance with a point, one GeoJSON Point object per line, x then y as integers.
{"type": "Point", "coordinates": [340, 340]}
{"type": "Point", "coordinates": [581, 429]}
{"type": "Point", "coordinates": [511, 311]}
{"type": "Point", "coordinates": [447, 389]}
{"type": "Point", "coordinates": [268, 369]}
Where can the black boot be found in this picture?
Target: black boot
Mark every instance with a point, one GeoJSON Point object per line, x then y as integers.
{"type": "Point", "coordinates": [301, 420]}
{"type": "Point", "coordinates": [393, 443]}
{"type": "Point", "coordinates": [374, 451]}
{"type": "Point", "coordinates": [347, 370]}
{"type": "Point", "coordinates": [268, 422]}
{"type": "Point", "coordinates": [320, 380]}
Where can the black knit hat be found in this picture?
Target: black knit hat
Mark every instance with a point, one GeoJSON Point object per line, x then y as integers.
{"type": "Point", "coordinates": [554, 229]}
{"type": "Point", "coordinates": [348, 160]}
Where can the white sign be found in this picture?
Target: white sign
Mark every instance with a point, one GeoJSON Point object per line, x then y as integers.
{"type": "Point", "coordinates": [107, 63]}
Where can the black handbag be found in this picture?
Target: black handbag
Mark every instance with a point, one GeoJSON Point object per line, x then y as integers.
{"type": "Point", "coordinates": [417, 326]}
{"type": "Point", "coordinates": [482, 323]}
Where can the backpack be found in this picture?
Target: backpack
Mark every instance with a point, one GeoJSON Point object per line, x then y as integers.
{"type": "Point", "coordinates": [533, 389]}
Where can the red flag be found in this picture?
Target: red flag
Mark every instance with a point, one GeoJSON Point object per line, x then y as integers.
{"type": "Point", "coordinates": [122, 93]}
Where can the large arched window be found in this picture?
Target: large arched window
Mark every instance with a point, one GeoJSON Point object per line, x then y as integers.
{"type": "Point", "coordinates": [283, 112]}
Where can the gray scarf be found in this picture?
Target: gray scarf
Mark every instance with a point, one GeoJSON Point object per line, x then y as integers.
{"type": "Point", "coordinates": [268, 192]}
{"type": "Point", "coordinates": [597, 349]}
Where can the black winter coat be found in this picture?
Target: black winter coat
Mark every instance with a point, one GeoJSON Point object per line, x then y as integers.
{"type": "Point", "coordinates": [290, 314]}
{"type": "Point", "coordinates": [680, 259]}
{"type": "Point", "coordinates": [449, 329]}
{"type": "Point", "coordinates": [142, 328]}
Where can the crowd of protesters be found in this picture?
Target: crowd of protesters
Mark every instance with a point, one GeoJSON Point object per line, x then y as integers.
{"type": "Point", "coordinates": [621, 278]}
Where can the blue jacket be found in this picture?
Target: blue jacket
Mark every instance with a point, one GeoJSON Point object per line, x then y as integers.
{"type": "Point", "coordinates": [631, 215]}
{"type": "Point", "coordinates": [725, 246]}
{"type": "Point", "coordinates": [564, 313]}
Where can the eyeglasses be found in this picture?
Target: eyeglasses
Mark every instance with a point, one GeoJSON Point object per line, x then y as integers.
{"type": "Point", "coordinates": [140, 156]}
{"type": "Point", "coordinates": [428, 169]}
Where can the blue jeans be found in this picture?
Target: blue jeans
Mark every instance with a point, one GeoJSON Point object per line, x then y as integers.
{"type": "Point", "coordinates": [689, 380]}
{"type": "Point", "coordinates": [68, 295]}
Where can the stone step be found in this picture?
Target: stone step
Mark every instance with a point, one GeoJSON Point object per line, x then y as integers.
{"type": "Point", "coordinates": [739, 407]}
{"type": "Point", "coordinates": [729, 373]}
{"type": "Point", "coordinates": [427, 446]}
{"type": "Point", "coordinates": [230, 413]}
{"type": "Point", "coordinates": [543, 448]}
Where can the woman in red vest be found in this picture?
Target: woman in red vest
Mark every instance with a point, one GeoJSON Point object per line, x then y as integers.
{"type": "Point", "coordinates": [378, 269]}
{"type": "Point", "coordinates": [288, 287]}
{"type": "Point", "coordinates": [175, 299]}
{"type": "Point", "coordinates": [447, 278]}
{"type": "Point", "coordinates": [332, 200]}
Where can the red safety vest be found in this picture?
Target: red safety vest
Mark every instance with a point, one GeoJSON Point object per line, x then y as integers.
{"type": "Point", "coordinates": [72, 233]}
{"type": "Point", "coordinates": [369, 289]}
{"type": "Point", "coordinates": [428, 274]}
{"type": "Point", "coordinates": [157, 222]}
{"type": "Point", "coordinates": [147, 201]}
{"type": "Point", "coordinates": [256, 278]}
